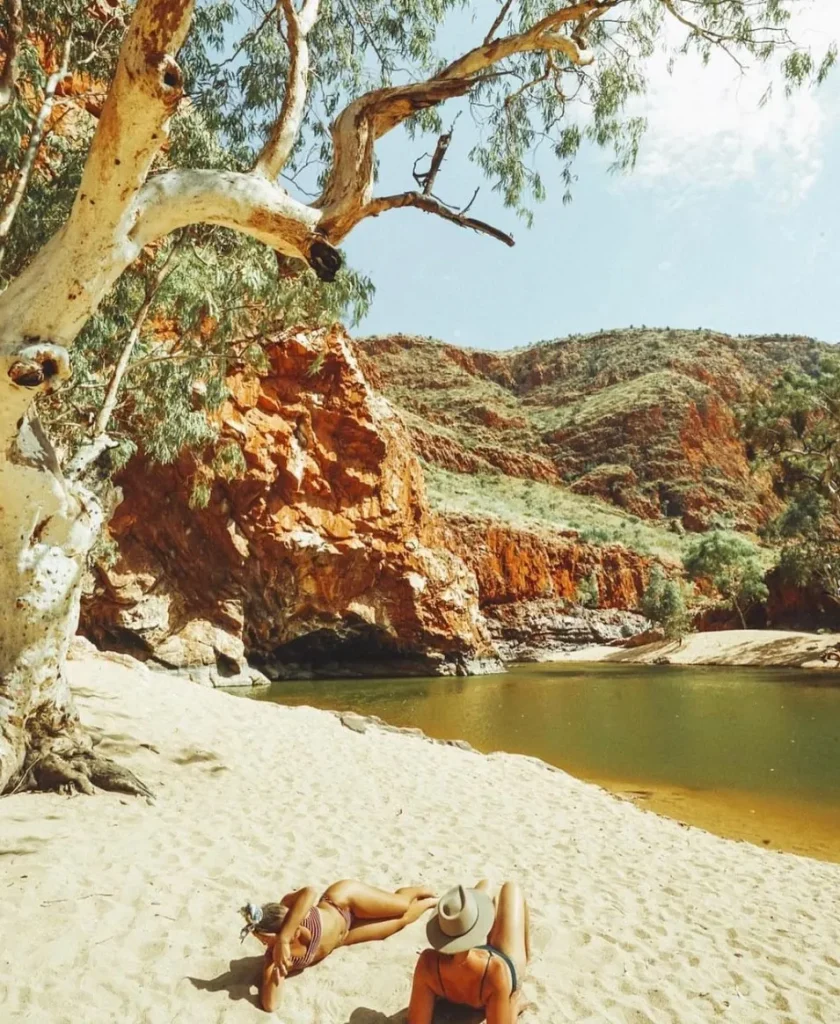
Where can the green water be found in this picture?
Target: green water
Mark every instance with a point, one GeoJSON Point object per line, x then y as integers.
{"type": "Point", "coordinates": [757, 731]}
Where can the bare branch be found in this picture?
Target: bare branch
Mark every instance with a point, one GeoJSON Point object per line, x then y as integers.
{"type": "Point", "coordinates": [355, 131]}
{"type": "Point", "coordinates": [500, 17]}
{"type": "Point", "coordinates": [8, 78]}
{"type": "Point", "coordinates": [427, 181]}
{"type": "Point", "coordinates": [10, 207]}
{"type": "Point", "coordinates": [99, 440]}
{"type": "Point", "coordinates": [280, 144]}
{"type": "Point", "coordinates": [152, 288]}
{"type": "Point", "coordinates": [431, 205]}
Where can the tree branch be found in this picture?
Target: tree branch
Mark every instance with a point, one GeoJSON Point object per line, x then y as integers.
{"type": "Point", "coordinates": [8, 79]}
{"type": "Point", "coordinates": [249, 203]}
{"type": "Point", "coordinates": [427, 181]}
{"type": "Point", "coordinates": [134, 123]}
{"type": "Point", "coordinates": [500, 17]}
{"type": "Point", "coordinates": [429, 204]}
{"type": "Point", "coordinates": [243, 201]}
{"type": "Point", "coordinates": [280, 144]}
{"type": "Point", "coordinates": [362, 122]}
{"type": "Point", "coordinates": [10, 207]}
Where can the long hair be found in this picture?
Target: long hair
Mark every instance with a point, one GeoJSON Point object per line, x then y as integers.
{"type": "Point", "coordinates": [267, 918]}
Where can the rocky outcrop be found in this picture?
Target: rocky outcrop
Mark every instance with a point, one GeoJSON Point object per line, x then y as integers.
{"type": "Point", "coordinates": [513, 564]}
{"type": "Point", "coordinates": [321, 556]}
{"type": "Point", "coordinates": [540, 630]}
{"type": "Point", "coordinates": [528, 583]}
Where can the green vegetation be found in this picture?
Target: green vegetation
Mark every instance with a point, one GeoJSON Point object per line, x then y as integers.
{"type": "Point", "coordinates": [530, 504]}
{"type": "Point", "coordinates": [588, 594]}
{"type": "Point", "coordinates": [794, 431]}
{"type": "Point", "coordinates": [665, 602]}
{"type": "Point", "coordinates": [733, 565]}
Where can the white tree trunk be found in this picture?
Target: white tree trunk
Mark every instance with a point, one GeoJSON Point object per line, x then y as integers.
{"type": "Point", "coordinates": [47, 527]}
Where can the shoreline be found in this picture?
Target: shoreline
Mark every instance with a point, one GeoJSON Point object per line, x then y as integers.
{"type": "Point", "coordinates": [722, 813]}
{"type": "Point", "coordinates": [748, 648]}
{"type": "Point", "coordinates": [636, 919]}
{"type": "Point", "coordinates": [785, 825]}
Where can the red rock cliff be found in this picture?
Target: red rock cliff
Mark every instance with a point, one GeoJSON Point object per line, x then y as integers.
{"type": "Point", "coordinates": [322, 553]}
{"type": "Point", "coordinates": [514, 565]}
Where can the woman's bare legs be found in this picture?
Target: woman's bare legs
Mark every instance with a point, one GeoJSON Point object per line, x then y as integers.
{"type": "Point", "coordinates": [511, 929]}
{"type": "Point", "coordinates": [369, 903]}
{"type": "Point", "coordinates": [378, 913]}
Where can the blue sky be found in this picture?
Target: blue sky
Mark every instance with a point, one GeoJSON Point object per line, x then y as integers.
{"type": "Point", "coordinates": [731, 220]}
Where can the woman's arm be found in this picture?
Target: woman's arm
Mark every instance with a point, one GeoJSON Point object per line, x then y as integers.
{"type": "Point", "coordinates": [300, 903]}
{"type": "Point", "coordinates": [271, 989]}
{"type": "Point", "coordinates": [501, 1009]}
{"type": "Point", "coordinates": [503, 1006]}
{"type": "Point", "coordinates": [421, 1009]}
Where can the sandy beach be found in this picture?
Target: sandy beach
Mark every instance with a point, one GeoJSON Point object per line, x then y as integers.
{"type": "Point", "coordinates": [115, 910]}
{"type": "Point", "coordinates": [749, 647]}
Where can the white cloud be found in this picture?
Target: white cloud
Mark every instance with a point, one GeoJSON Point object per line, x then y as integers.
{"type": "Point", "coordinates": [706, 129]}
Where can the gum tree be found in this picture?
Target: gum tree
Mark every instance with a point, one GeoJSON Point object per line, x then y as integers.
{"type": "Point", "coordinates": [316, 83]}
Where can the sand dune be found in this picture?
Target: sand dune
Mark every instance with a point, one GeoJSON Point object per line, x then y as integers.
{"type": "Point", "coordinates": [113, 910]}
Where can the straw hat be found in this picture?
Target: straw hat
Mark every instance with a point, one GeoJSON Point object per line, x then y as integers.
{"type": "Point", "coordinates": [463, 919]}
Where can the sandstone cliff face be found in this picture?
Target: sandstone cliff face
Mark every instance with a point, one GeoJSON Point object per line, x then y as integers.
{"type": "Point", "coordinates": [528, 583]}
{"type": "Point", "coordinates": [322, 556]}
{"type": "Point", "coordinates": [514, 564]}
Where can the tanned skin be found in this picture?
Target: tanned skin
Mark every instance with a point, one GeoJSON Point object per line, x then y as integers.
{"type": "Point", "coordinates": [376, 915]}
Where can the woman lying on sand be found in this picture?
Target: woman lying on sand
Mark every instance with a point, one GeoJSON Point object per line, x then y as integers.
{"type": "Point", "coordinates": [480, 951]}
{"type": "Point", "coordinates": [307, 925]}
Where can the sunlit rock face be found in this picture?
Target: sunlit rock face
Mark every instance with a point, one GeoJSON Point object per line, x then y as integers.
{"type": "Point", "coordinates": [321, 557]}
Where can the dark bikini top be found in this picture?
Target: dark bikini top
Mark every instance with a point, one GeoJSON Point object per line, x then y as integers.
{"type": "Point", "coordinates": [493, 951]}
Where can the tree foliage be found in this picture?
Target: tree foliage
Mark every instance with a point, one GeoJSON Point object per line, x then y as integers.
{"type": "Point", "coordinates": [588, 592]}
{"type": "Point", "coordinates": [664, 602]}
{"type": "Point", "coordinates": [793, 430]}
{"type": "Point", "coordinates": [221, 294]}
{"type": "Point", "coordinates": [733, 565]}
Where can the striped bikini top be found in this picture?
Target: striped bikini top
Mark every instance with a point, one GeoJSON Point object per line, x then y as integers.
{"type": "Point", "coordinates": [312, 922]}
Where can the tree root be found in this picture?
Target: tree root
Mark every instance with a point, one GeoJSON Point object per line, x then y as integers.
{"type": "Point", "coordinates": [79, 771]}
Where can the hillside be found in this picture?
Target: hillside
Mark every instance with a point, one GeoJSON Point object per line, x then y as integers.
{"type": "Point", "coordinates": [644, 419]}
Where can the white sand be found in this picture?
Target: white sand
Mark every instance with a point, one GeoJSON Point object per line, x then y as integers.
{"type": "Point", "coordinates": [753, 647]}
{"type": "Point", "coordinates": [113, 910]}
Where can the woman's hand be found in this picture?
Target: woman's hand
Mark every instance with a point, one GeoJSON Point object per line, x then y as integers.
{"type": "Point", "coordinates": [418, 908]}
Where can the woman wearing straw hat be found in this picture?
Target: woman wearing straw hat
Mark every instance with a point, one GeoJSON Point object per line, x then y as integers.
{"type": "Point", "coordinates": [480, 948]}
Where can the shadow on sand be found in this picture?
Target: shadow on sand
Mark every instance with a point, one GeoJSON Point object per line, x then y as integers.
{"type": "Point", "coordinates": [239, 981]}
{"type": "Point", "coordinates": [445, 1013]}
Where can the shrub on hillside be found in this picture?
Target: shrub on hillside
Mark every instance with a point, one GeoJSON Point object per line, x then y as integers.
{"type": "Point", "coordinates": [588, 593]}
{"type": "Point", "coordinates": [664, 602]}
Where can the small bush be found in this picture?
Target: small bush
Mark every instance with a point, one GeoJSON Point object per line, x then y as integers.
{"type": "Point", "coordinates": [664, 603]}
{"type": "Point", "coordinates": [588, 593]}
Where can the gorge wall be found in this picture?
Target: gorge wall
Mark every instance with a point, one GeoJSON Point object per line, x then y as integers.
{"type": "Point", "coordinates": [644, 419]}
{"type": "Point", "coordinates": [323, 555]}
